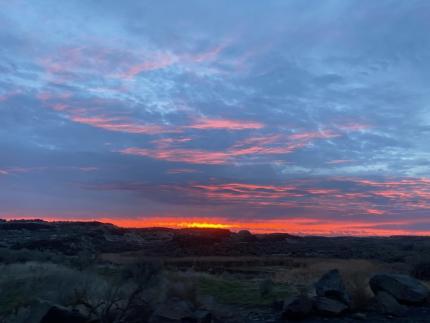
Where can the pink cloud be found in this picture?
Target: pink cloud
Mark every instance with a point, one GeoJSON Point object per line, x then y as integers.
{"type": "Point", "coordinates": [349, 127]}
{"type": "Point", "coordinates": [375, 212]}
{"type": "Point", "coordinates": [192, 156]}
{"type": "Point", "coordinates": [175, 171]}
{"type": "Point", "coordinates": [210, 55]}
{"type": "Point", "coordinates": [339, 161]}
{"type": "Point", "coordinates": [7, 96]}
{"type": "Point", "coordinates": [198, 156]}
{"type": "Point", "coordinates": [120, 125]}
{"type": "Point", "coordinates": [158, 62]}
{"type": "Point", "coordinates": [307, 136]}
{"type": "Point", "coordinates": [207, 123]}
{"type": "Point", "coordinates": [169, 141]}
{"type": "Point", "coordinates": [257, 147]}
{"type": "Point", "coordinates": [24, 170]}
{"type": "Point", "coordinates": [45, 96]}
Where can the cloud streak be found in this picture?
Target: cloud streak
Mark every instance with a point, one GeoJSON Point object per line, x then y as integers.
{"type": "Point", "coordinates": [263, 146]}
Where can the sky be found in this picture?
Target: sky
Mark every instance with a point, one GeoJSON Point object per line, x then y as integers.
{"type": "Point", "coordinates": [308, 117]}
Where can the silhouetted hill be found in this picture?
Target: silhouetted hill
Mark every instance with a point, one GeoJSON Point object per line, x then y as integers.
{"type": "Point", "coordinates": [71, 238]}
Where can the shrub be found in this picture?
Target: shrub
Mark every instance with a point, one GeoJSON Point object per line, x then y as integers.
{"type": "Point", "coordinates": [108, 299]}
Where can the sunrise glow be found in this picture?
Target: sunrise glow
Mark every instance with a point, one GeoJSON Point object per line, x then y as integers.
{"type": "Point", "coordinates": [297, 225]}
{"type": "Point", "coordinates": [285, 117]}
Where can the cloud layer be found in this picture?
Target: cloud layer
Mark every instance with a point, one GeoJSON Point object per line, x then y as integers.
{"type": "Point", "coordinates": [282, 115]}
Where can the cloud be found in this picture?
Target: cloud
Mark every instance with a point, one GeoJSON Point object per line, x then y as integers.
{"type": "Point", "coordinates": [181, 171]}
{"type": "Point", "coordinates": [208, 123]}
{"type": "Point", "coordinates": [163, 60]}
{"type": "Point", "coordinates": [309, 116]}
{"type": "Point", "coordinates": [260, 147]}
{"type": "Point", "coordinates": [120, 125]}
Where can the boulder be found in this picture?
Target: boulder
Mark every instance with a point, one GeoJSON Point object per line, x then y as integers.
{"type": "Point", "coordinates": [329, 306]}
{"type": "Point", "coordinates": [297, 309]}
{"type": "Point", "coordinates": [384, 303]}
{"type": "Point", "coordinates": [331, 286]}
{"type": "Point", "coordinates": [403, 288]}
{"type": "Point", "coordinates": [58, 314]}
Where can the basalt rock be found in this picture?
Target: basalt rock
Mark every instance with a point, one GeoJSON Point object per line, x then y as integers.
{"type": "Point", "coordinates": [404, 289]}
{"type": "Point", "coordinates": [384, 303]}
{"type": "Point", "coordinates": [331, 286]}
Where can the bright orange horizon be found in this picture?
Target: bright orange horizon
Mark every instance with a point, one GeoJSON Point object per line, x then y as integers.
{"type": "Point", "coordinates": [298, 226]}
{"type": "Point", "coordinates": [254, 115]}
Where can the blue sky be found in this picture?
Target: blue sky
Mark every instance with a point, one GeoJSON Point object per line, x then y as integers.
{"type": "Point", "coordinates": [299, 116]}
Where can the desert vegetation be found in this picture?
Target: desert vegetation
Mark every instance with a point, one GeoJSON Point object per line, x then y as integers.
{"type": "Point", "coordinates": [66, 279]}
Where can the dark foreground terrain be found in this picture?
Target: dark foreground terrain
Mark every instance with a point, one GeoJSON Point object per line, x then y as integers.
{"type": "Point", "coordinates": [95, 272]}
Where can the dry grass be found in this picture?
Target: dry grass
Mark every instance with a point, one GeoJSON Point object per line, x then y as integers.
{"type": "Point", "coordinates": [299, 274]}
{"type": "Point", "coordinates": [355, 273]}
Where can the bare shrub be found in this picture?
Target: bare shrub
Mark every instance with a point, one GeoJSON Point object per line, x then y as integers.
{"type": "Point", "coordinates": [108, 299]}
{"type": "Point", "coordinates": [25, 283]}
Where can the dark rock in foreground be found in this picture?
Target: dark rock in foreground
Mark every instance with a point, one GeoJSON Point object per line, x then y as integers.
{"type": "Point", "coordinates": [404, 289]}
{"type": "Point", "coordinates": [331, 286]}
{"type": "Point", "coordinates": [384, 303]}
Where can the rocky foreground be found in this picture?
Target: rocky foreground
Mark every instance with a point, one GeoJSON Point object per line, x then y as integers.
{"type": "Point", "coordinates": [397, 298]}
{"type": "Point", "coordinates": [81, 272]}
